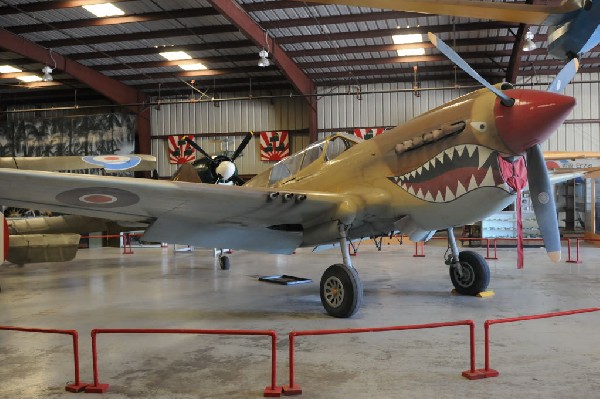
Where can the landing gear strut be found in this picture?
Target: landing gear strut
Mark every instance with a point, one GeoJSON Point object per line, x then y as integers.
{"type": "Point", "coordinates": [224, 262]}
{"type": "Point", "coordinates": [341, 289]}
{"type": "Point", "coordinates": [469, 271]}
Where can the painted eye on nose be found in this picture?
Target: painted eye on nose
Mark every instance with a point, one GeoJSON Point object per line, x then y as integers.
{"type": "Point", "coordinates": [479, 126]}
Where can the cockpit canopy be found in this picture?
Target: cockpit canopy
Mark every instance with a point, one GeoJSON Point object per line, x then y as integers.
{"type": "Point", "coordinates": [324, 150]}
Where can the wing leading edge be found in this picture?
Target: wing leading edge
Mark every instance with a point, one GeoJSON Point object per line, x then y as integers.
{"type": "Point", "coordinates": [185, 213]}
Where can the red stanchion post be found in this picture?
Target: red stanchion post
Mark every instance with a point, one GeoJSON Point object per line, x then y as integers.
{"type": "Point", "coordinates": [292, 388]}
{"type": "Point", "coordinates": [569, 260]}
{"type": "Point", "coordinates": [422, 254]}
{"type": "Point", "coordinates": [77, 385]}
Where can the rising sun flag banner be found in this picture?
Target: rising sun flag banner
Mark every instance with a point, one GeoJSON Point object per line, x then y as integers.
{"type": "Point", "coordinates": [274, 146]}
{"type": "Point", "coordinates": [180, 151]}
{"type": "Point", "coordinates": [367, 134]}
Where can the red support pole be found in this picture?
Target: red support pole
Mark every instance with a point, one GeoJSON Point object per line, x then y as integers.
{"type": "Point", "coordinates": [96, 387]}
{"type": "Point", "coordinates": [422, 254]}
{"type": "Point", "coordinates": [77, 385]}
{"type": "Point", "coordinates": [292, 388]}
{"type": "Point", "coordinates": [472, 373]}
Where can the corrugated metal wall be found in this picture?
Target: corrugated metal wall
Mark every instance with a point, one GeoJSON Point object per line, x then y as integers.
{"type": "Point", "coordinates": [344, 108]}
{"type": "Point", "coordinates": [212, 123]}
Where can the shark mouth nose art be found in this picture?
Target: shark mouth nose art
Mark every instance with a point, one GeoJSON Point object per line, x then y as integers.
{"type": "Point", "coordinates": [453, 173]}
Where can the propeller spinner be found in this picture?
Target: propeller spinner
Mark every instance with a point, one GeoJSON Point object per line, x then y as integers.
{"type": "Point", "coordinates": [220, 168]}
{"type": "Point", "coordinates": [525, 118]}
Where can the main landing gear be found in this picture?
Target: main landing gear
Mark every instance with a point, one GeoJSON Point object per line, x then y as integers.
{"type": "Point", "coordinates": [469, 271]}
{"type": "Point", "coordinates": [224, 262]}
{"type": "Point", "coordinates": [341, 289]}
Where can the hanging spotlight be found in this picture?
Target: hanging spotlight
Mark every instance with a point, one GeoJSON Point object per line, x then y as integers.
{"type": "Point", "coordinates": [264, 60]}
{"type": "Point", "coordinates": [529, 44]}
{"type": "Point", "coordinates": [47, 71]}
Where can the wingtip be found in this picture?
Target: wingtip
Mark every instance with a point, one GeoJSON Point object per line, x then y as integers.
{"type": "Point", "coordinates": [554, 256]}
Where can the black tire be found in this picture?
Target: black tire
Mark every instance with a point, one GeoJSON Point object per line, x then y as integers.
{"type": "Point", "coordinates": [476, 274]}
{"type": "Point", "coordinates": [224, 263]}
{"type": "Point", "coordinates": [341, 291]}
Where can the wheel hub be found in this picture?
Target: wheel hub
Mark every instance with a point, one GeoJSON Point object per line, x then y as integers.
{"type": "Point", "coordinates": [334, 291]}
{"type": "Point", "coordinates": [467, 278]}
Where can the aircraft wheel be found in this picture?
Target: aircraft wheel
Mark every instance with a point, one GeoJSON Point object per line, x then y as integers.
{"type": "Point", "coordinates": [224, 263]}
{"type": "Point", "coordinates": [341, 291]}
{"type": "Point", "coordinates": [475, 274]}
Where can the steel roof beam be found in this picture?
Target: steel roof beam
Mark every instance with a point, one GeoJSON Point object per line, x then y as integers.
{"type": "Point", "coordinates": [231, 10]}
{"type": "Point", "coordinates": [467, 27]}
{"type": "Point", "coordinates": [86, 23]}
{"type": "Point", "coordinates": [133, 37]}
{"type": "Point", "coordinates": [151, 51]}
{"type": "Point", "coordinates": [51, 5]}
{"type": "Point", "coordinates": [339, 19]}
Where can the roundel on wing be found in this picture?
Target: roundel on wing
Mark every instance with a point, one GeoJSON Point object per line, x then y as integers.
{"type": "Point", "coordinates": [113, 162]}
{"type": "Point", "coordinates": [98, 197]}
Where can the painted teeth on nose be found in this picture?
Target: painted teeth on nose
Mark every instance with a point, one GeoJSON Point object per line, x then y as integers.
{"type": "Point", "coordinates": [471, 149]}
{"type": "Point", "coordinates": [483, 157]}
{"type": "Point", "coordinates": [472, 184]}
{"type": "Point", "coordinates": [460, 189]}
{"type": "Point", "coordinates": [449, 194]}
{"type": "Point", "coordinates": [488, 180]}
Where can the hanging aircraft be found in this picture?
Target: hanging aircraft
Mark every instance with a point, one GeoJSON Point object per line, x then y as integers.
{"type": "Point", "coordinates": [574, 24]}
{"type": "Point", "coordinates": [450, 166]}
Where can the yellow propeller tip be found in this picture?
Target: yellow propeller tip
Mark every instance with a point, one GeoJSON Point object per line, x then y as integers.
{"type": "Point", "coordinates": [554, 256]}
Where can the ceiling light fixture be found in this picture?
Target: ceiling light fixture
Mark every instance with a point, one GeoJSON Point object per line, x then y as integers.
{"type": "Point", "coordinates": [411, 52]}
{"type": "Point", "coordinates": [529, 44]}
{"type": "Point", "coordinates": [409, 39]}
{"type": "Point", "coordinates": [193, 67]}
{"type": "Point", "coordinates": [263, 60]}
{"type": "Point", "coordinates": [176, 55]}
{"type": "Point", "coordinates": [104, 10]}
{"type": "Point", "coordinates": [9, 69]}
{"type": "Point", "coordinates": [29, 78]}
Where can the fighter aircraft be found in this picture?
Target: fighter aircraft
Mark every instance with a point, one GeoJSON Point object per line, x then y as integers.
{"type": "Point", "coordinates": [453, 165]}
{"type": "Point", "coordinates": [574, 24]}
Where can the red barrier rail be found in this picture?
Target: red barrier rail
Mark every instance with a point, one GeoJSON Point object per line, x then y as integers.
{"type": "Point", "coordinates": [77, 385]}
{"type": "Point", "coordinates": [270, 391]}
{"type": "Point", "coordinates": [472, 373]}
{"type": "Point", "coordinates": [487, 371]}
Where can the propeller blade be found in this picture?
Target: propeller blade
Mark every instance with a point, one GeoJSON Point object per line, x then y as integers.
{"type": "Point", "coordinates": [543, 201]}
{"type": "Point", "coordinates": [197, 147]}
{"type": "Point", "coordinates": [592, 42]}
{"type": "Point", "coordinates": [564, 77]}
{"type": "Point", "coordinates": [242, 145]}
{"type": "Point", "coordinates": [454, 57]}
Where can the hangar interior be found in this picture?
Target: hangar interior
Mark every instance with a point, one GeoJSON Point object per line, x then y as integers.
{"type": "Point", "coordinates": [74, 83]}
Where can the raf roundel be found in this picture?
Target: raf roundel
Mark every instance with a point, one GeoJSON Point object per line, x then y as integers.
{"type": "Point", "coordinates": [98, 197]}
{"type": "Point", "coordinates": [114, 162]}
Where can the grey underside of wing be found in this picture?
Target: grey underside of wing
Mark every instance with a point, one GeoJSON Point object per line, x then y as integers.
{"type": "Point", "coordinates": [185, 213]}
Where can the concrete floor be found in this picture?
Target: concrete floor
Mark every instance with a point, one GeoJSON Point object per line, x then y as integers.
{"type": "Point", "coordinates": [154, 288]}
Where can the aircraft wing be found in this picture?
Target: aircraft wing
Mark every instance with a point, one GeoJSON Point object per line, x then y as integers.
{"type": "Point", "coordinates": [508, 12]}
{"type": "Point", "coordinates": [197, 214]}
{"type": "Point", "coordinates": [110, 163]}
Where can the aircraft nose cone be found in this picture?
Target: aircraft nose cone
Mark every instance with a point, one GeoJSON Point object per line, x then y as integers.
{"type": "Point", "coordinates": [534, 116]}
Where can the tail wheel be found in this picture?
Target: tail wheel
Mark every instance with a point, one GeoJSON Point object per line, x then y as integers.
{"type": "Point", "coordinates": [224, 263]}
{"type": "Point", "coordinates": [475, 276]}
{"type": "Point", "coordinates": [341, 291]}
